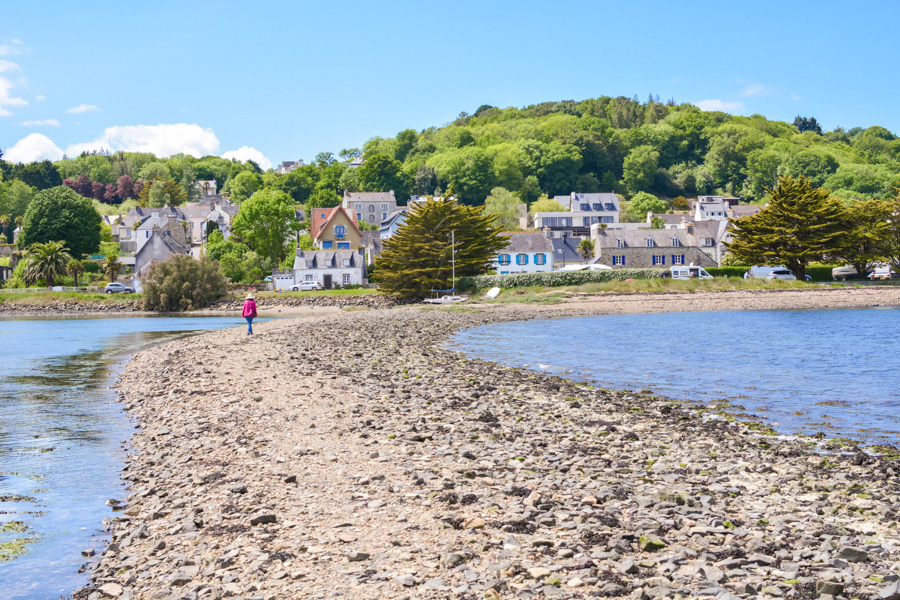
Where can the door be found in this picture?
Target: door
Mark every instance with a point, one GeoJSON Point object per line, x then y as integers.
{"type": "Point", "coordinates": [327, 282]}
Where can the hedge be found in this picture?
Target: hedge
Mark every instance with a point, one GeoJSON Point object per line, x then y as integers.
{"type": "Point", "coordinates": [727, 271]}
{"type": "Point", "coordinates": [816, 272]}
{"type": "Point", "coordinates": [554, 278]}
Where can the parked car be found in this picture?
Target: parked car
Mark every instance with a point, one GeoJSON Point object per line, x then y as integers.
{"type": "Point", "coordinates": [689, 272]}
{"type": "Point", "coordinates": [782, 274]}
{"type": "Point", "coordinates": [306, 286]}
{"type": "Point", "coordinates": [118, 288]}
{"type": "Point", "coordinates": [883, 273]}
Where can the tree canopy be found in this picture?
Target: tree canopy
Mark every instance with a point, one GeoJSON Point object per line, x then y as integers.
{"type": "Point", "coordinates": [59, 214]}
{"type": "Point", "coordinates": [417, 259]}
{"type": "Point", "coordinates": [266, 223]}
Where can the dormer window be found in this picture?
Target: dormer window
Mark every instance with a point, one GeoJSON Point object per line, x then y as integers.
{"type": "Point", "coordinates": [676, 242]}
{"type": "Point", "coordinates": [585, 207]}
{"type": "Point", "coordinates": [323, 215]}
{"type": "Point", "coordinates": [598, 206]}
{"type": "Point", "coordinates": [610, 206]}
{"type": "Point", "coordinates": [650, 242]}
{"type": "Point", "coordinates": [620, 243]}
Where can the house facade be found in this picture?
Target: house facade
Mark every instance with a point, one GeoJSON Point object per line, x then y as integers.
{"type": "Point", "coordinates": [158, 247]}
{"type": "Point", "coordinates": [370, 207]}
{"type": "Point", "coordinates": [334, 229]}
{"type": "Point", "coordinates": [643, 248]}
{"type": "Point", "coordinates": [330, 268]}
{"type": "Point", "coordinates": [582, 211]}
{"type": "Point", "coordinates": [528, 252]}
{"type": "Point", "coordinates": [287, 166]}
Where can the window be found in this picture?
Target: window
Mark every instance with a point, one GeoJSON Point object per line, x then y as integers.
{"type": "Point", "coordinates": [607, 220]}
{"type": "Point", "coordinates": [610, 206]}
{"type": "Point", "coordinates": [359, 207]}
{"type": "Point", "coordinates": [598, 206]}
{"type": "Point", "coordinates": [371, 208]}
{"type": "Point", "coordinates": [620, 243]}
{"type": "Point", "coordinates": [678, 259]}
{"type": "Point", "coordinates": [371, 218]}
{"type": "Point", "coordinates": [359, 216]}
{"type": "Point", "coordinates": [618, 260]}
{"type": "Point", "coordinates": [650, 243]}
{"type": "Point", "coordinates": [585, 207]}
{"type": "Point", "coordinates": [384, 207]}
{"type": "Point", "coordinates": [504, 259]}
{"type": "Point", "coordinates": [343, 245]}
{"type": "Point", "coordinates": [326, 244]}
{"type": "Point", "coordinates": [709, 242]}
{"type": "Point", "coordinates": [346, 262]}
{"type": "Point", "coordinates": [676, 242]}
{"type": "Point", "coordinates": [345, 279]}
{"type": "Point", "coordinates": [540, 259]}
{"type": "Point", "coordinates": [322, 216]}
{"type": "Point", "coordinates": [340, 231]}
{"type": "Point", "coordinates": [521, 259]}
{"type": "Point", "coordinates": [309, 278]}
{"type": "Point", "coordinates": [659, 259]}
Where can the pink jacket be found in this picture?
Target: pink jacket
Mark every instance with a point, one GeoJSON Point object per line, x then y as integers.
{"type": "Point", "coordinates": [249, 309]}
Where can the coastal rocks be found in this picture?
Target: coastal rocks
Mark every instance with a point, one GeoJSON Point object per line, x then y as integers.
{"type": "Point", "coordinates": [269, 468]}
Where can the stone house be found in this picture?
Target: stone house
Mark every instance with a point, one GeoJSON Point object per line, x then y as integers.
{"type": "Point", "coordinates": [529, 252]}
{"type": "Point", "coordinates": [334, 229]}
{"type": "Point", "coordinates": [370, 207]}
{"type": "Point", "coordinates": [644, 248]}
{"type": "Point", "coordinates": [158, 247]}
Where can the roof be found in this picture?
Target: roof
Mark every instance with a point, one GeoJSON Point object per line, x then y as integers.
{"type": "Point", "coordinates": [318, 224]}
{"type": "Point", "coordinates": [745, 210]}
{"type": "Point", "coordinates": [673, 218]}
{"type": "Point", "coordinates": [372, 240]}
{"type": "Point", "coordinates": [662, 238]}
{"type": "Point", "coordinates": [565, 249]}
{"type": "Point", "coordinates": [528, 242]}
{"type": "Point", "coordinates": [370, 196]}
{"type": "Point", "coordinates": [393, 217]}
{"type": "Point", "coordinates": [328, 259]}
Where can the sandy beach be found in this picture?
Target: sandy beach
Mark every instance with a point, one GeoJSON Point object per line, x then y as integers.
{"type": "Point", "coordinates": [349, 455]}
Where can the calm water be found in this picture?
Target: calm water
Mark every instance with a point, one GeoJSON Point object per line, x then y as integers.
{"type": "Point", "coordinates": [836, 371]}
{"type": "Point", "coordinates": [61, 439]}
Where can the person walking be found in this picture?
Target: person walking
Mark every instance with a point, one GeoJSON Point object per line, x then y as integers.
{"type": "Point", "coordinates": [249, 312]}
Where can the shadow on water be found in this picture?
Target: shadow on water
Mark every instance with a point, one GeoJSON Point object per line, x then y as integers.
{"type": "Point", "coordinates": [62, 438]}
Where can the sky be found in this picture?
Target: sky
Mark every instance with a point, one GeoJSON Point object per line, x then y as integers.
{"type": "Point", "coordinates": [284, 81]}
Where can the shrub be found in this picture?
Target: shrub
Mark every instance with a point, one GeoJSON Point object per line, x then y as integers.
{"type": "Point", "coordinates": [183, 283]}
{"type": "Point", "coordinates": [727, 271]}
{"type": "Point", "coordinates": [554, 278]}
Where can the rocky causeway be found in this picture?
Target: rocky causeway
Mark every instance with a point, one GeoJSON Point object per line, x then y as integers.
{"type": "Point", "coordinates": [351, 455]}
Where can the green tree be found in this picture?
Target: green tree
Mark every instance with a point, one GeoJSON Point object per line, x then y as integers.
{"type": "Point", "coordinates": [642, 203]}
{"type": "Point", "coordinates": [111, 267]}
{"type": "Point", "coordinates": [892, 235]}
{"type": "Point", "coordinates": [15, 196]}
{"type": "Point", "coordinates": [425, 181]}
{"type": "Point", "coordinates": [640, 167]}
{"type": "Point", "coordinates": [46, 261]}
{"type": "Point", "coordinates": [801, 224]}
{"type": "Point", "coordinates": [159, 193]}
{"type": "Point", "coordinates": [243, 185]}
{"type": "Point", "coordinates": [183, 283]}
{"type": "Point", "coordinates": [560, 164]}
{"type": "Point", "coordinates": [60, 214]}
{"type": "Point", "coordinates": [814, 166]}
{"type": "Point", "coordinates": [469, 172]}
{"type": "Point", "coordinates": [75, 268]}
{"type": "Point", "coordinates": [586, 249]}
{"type": "Point", "coordinates": [530, 190]}
{"type": "Point", "coordinates": [417, 259]}
{"type": "Point", "coordinates": [5, 220]}
{"type": "Point", "coordinates": [867, 234]}
{"type": "Point", "coordinates": [545, 204]}
{"type": "Point", "coordinates": [505, 205]}
{"type": "Point", "coordinates": [266, 223]}
{"type": "Point", "coordinates": [154, 170]}
{"type": "Point", "coordinates": [381, 173]}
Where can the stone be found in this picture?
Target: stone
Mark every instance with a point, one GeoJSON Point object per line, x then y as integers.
{"type": "Point", "coordinates": [538, 572]}
{"type": "Point", "coordinates": [453, 558]}
{"type": "Point", "coordinates": [238, 488]}
{"type": "Point", "coordinates": [492, 594]}
{"type": "Point", "coordinates": [832, 588]}
{"type": "Point", "coordinates": [890, 592]}
{"type": "Point", "coordinates": [88, 553]}
{"type": "Point", "coordinates": [406, 580]}
{"type": "Point", "coordinates": [649, 544]}
{"type": "Point", "coordinates": [575, 582]}
{"type": "Point", "coordinates": [262, 519]}
{"type": "Point", "coordinates": [474, 523]}
{"type": "Point", "coordinates": [628, 567]}
{"type": "Point", "coordinates": [853, 555]}
{"type": "Point", "coordinates": [113, 590]}
{"type": "Point", "coordinates": [357, 556]}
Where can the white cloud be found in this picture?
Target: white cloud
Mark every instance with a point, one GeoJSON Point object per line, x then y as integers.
{"type": "Point", "coordinates": [17, 47]}
{"type": "Point", "coordinates": [245, 153]}
{"type": "Point", "coordinates": [753, 90]}
{"type": "Point", "coordinates": [82, 108]}
{"type": "Point", "coordinates": [161, 140]}
{"type": "Point", "coordinates": [35, 146]}
{"type": "Point", "coordinates": [6, 87]}
{"type": "Point", "coordinates": [50, 122]}
{"type": "Point", "coordinates": [40, 98]}
{"type": "Point", "coordinates": [722, 105]}
{"type": "Point", "coordinates": [796, 98]}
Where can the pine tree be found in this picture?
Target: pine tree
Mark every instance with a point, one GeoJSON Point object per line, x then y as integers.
{"type": "Point", "coordinates": [801, 223]}
{"type": "Point", "coordinates": [417, 259]}
{"type": "Point", "coordinates": [867, 235]}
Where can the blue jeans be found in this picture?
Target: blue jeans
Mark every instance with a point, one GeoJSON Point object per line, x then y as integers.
{"type": "Point", "coordinates": [249, 325]}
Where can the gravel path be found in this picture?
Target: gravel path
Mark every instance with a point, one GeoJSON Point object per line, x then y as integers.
{"type": "Point", "coordinates": [350, 456]}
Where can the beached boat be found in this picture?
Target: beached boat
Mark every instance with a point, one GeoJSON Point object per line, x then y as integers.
{"type": "Point", "coordinates": [449, 296]}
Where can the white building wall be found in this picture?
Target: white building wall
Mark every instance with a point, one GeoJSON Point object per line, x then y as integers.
{"type": "Point", "coordinates": [531, 267]}
{"type": "Point", "coordinates": [337, 274]}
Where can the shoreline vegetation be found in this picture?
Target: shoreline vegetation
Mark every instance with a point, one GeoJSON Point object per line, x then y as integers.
{"type": "Point", "coordinates": [265, 467]}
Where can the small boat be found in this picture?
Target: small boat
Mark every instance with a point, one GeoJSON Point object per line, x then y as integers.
{"type": "Point", "coordinates": [449, 297]}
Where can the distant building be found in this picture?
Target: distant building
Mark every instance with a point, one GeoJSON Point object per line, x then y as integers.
{"type": "Point", "coordinates": [581, 211]}
{"type": "Point", "coordinates": [370, 207]}
{"type": "Point", "coordinates": [641, 248]}
{"type": "Point", "coordinates": [331, 268]}
{"type": "Point", "coordinates": [528, 252]}
{"type": "Point", "coordinates": [334, 229]}
{"type": "Point", "coordinates": [206, 188]}
{"type": "Point", "coordinates": [158, 247]}
{"type": "Point", "coordinates": [288, 166]}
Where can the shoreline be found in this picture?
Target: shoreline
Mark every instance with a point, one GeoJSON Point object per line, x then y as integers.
{"type": "Point", "coordinates": [386, 466]}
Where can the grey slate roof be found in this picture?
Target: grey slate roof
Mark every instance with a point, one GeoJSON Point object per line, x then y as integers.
{"type": "Point", "coordinates": [662, 238]}
{"type": "Point", "coordinates": [328, 259]}
{"type": "Point", "coordinates": [565, 250]}
{"type": "Point", "coordinates": [528, 242]}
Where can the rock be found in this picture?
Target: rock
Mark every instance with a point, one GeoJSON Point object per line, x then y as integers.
{"type": "Point", "coordinates": [89, 552]}
{"type": "Point", "coordinates": [357, 556]}
{"type": "Point", "coordinates": [263, 518]}
{"type": "Point", "coordinates": [406, 580]}
{"type": "Point", "coordinates": [575, 582]}
{"type": "Point", "coordinates": [628, 567]}
{"type": "Point", "coordinates": [538, 572]}
{"type": "Point", "coordinates": [453, 558]}
{"type": "Point", "coordinates": [474, 523]}
{"type": "Point", "coordinates": [112, 590]}
{"type": "Point", "coordinates": [238, 488]}
{"type": "Point", "coordinates": [890, 592]}
{"type": "Point", "coordinates": [832, 588]}
{"type": "Point", "coordinates": [853, 555]}
{"type": "Point", "coordinates": [649, 544]}
{"type": "Point", "coordinates": [492, 594]}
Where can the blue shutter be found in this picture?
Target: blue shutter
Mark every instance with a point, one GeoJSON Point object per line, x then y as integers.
{"type": "Point", "coordinates": [526, 259]}
{"type": "Point", "coordinates": [653, 260]}
{"type": "Point", "coordinates": [623, 260]}
{"type": "Point", "coordinates": [682, 259]}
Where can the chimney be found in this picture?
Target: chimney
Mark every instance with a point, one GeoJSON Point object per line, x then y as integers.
{"type": "Point", "coordinates": [547, 233]}
{"type": "Point", "coordinates": [690, 228]}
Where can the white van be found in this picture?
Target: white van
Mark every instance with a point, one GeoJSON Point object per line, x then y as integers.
{"type": "Point", "coordinates": [689, 273]}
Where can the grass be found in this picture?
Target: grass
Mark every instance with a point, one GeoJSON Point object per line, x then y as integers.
{"type": "Point", "coordinates": [657, 285]}
{"type": "Point", "coordinates": [43, 297]}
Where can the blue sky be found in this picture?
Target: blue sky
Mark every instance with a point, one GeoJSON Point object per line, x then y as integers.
{"type": "Point", "coordinates": [280, 81]}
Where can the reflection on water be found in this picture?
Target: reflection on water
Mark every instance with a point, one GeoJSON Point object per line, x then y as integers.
{"type": "Point", "coordinates": [833, 371]}
{"type": "Point", "coordinates": [62, 437]}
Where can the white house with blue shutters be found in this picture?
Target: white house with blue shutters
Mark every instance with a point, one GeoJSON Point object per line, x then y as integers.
{"type": "Point", "coordinates": [529, 252]}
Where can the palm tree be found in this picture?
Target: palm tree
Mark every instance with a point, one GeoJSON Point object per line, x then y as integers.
{"type": "Point", "coordinates": [75, 268]}
{"type": "Point", "coordinates": [111, 266]}
{"type": "Point", "coordinates": [46, 261]}
{"type": "Point", "coordinates": [585, 249]}
{"type": "Point", "coordinates": [5, 220]}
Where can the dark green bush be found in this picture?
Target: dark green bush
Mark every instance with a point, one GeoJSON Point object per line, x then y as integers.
{"type": "Point", "coordinates": [183, 283]}
{"type": "Point", "coordinates": [727, 271]}
{"type": "Point", "coordinates": [554, 278]}
{"type": "Point", "coordinates": [91, 266]}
